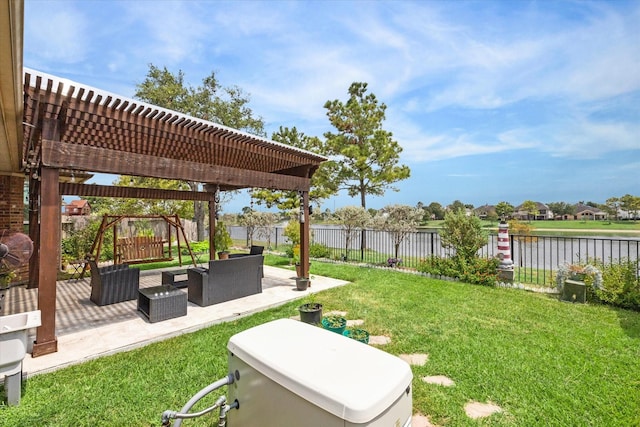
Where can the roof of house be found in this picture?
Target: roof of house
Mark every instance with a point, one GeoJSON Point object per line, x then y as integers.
{"type": "Point", "coordinates": [78, 203]}
{"type": "Point", "coordinates": [579, 208]}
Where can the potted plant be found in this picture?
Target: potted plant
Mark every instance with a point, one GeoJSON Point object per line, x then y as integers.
{"type": "Point", "coordinates": [302, 283]}
{"type": "Point", "coordinates": [357, 334]}
{"type": "Point", "coordinates": [222, 240]}
{"type": "Point", "coordinates": [311, 312]}
{"type": "Point", "coordinates": [334, 323]}
{"type": "Point", "coordinates": [295, 259]}
{"type": "Point", "coordinates": [572, 281]}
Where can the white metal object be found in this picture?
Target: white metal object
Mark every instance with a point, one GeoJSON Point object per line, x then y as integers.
{"type": "Point", "coordinates": [292, 373]}
{"type": "Point", "coordinates": [14, 329]}
{"type": "Point", "coordinates": [13, 339]}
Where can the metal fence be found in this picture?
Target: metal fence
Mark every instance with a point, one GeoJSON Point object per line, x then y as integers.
{"type": "Point", "coordinates": [535, 258]}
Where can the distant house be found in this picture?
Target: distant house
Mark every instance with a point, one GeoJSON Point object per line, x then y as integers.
{"type": "Point", "coordinates": [77, 207]}
{"type": "Point", "coordinates": [585, 212]}
{"type": "Point", "coordinates": [543, 212]}
{"type": "Point", "coordinates": [485, 211]}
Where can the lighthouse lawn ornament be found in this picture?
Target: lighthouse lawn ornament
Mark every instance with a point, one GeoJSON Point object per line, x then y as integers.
{"type": "Point", "coordinates": [505, 269]}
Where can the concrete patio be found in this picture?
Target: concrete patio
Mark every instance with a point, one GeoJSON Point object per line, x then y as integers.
{"type": "Point", "coordinates": [86, 331]}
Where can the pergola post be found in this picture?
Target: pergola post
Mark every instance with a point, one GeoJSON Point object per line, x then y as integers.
{"type": "Point", "coordinates": [212, 230]}
{"type": "Point", "coordinates": [304, 233]}
{"type": "Point", "coordinates": [46, 341]}
{"type": "Point", "coordinates": [34, 229]}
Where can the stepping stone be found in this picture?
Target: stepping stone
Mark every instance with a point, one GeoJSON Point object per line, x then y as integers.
{"type": "Point", "coordinates": [379, 340]}
{"type": "Point", "coordinates": [420, 421]}
{"type": "Point", "coordinates": [480, 410]}
{"type": "Point", "coordinates": [336, 313]}
{"type": "Point", "coordinates": [356, 322]}
{"type": "Point", "coordinates": [439, 380]}
{"type": "Point", "coordinates": [415, 359]}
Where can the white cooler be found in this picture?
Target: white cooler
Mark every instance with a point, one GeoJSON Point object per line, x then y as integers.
{"type": "Point", "coordinates": [290, 373]}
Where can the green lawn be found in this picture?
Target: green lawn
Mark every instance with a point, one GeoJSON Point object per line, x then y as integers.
{"type": "Point", "coordinates": [545, 363]}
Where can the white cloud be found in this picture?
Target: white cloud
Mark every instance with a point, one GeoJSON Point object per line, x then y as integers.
{"type": "Point", "coordinates": [55, 33]}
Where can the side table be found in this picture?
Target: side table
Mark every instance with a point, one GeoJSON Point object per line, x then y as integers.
{"type": "Point", "coordinates": [162, 302]}
{"type": "Point", "coordinates": [169, 278]}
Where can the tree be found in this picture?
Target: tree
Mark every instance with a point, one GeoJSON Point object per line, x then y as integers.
{"type": "Point", "coordinates": [398, 221]}
{"type": "Point", "coordinates": [352, 219]}
{"type": "Point", "coordinates": [463, 233]}
{"type": "Point", "coordinates": [631, 204]}
{"type": "Point", "coordinates": [456, 206]}
{"type": "Point", "coordinates": [530, 207]}
{"type": "Point", "coordinates": [366, 155]}
{"type": "Point", "coordinates": [504, 210]}
{"type": "Point", "coordinates": [436, 211]}
{"type": "Point", "coordinates": [561, 208]}
{"type": "Point", "coordinates": [266, 224]}
{"type": "Point", "coordinates": [227, 106]}
{"type": "Point", "coordinates": [612, 206]}
{"type": "Point", "coordinates": [323, 183]}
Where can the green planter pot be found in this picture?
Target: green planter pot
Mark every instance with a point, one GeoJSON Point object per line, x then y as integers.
{"type": "Point", "coordinates": [335, 324]}
{"type": "Point", "coordinates": [311, 313]}
{"type": "Point", "coordinates": [357, 334]}
{"type": "Point", "coordinates": [574, 291]}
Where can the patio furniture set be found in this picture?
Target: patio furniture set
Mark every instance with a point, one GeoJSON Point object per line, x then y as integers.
{"type": "Point", "coordinates": [223, 280]}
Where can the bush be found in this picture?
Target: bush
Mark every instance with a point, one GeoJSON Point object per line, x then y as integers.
{"type": "Point", "coordinates": [463, 233]}
{"type": "Point", "coordinates": [197, 247]}
{"type": "Point", "coordinates": [318, 250]}
{"type": "Point", "coordinates": [477, 271]}
{"type": "Point", "coordinates": [621, 285]}
{"type": "Point", "coordinates": [292, 232]}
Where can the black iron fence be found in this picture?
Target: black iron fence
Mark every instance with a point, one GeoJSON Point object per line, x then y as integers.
{"type": "Point", "coordinates": [535, 258]}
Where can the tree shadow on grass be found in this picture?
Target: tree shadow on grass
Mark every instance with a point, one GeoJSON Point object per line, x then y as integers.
{"type": "Point", "coordinates": [630, 322]}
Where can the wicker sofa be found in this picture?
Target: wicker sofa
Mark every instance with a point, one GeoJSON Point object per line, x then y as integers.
{"type": "Point", "coordinates": [113, 283]}
{"type": "Point", "coordinates": [254, 250]}
{"type": "Point", "coordinates": [225, 280]}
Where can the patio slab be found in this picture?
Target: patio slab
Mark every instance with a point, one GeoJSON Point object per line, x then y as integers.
{"type": "Point", "coordinates": [86, 331]}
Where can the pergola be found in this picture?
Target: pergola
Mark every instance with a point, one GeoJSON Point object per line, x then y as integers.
{"type": "Point", "coordinates": [70, 128]}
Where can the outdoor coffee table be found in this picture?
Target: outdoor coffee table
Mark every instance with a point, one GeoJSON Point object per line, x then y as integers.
{"type": "Point", "coordinates": [162, 302]}
{"type": "Point", "coordinates": [169, 278]}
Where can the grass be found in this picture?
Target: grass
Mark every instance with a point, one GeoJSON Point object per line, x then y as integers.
{"type": "Point", "coordinates": [544, 362]}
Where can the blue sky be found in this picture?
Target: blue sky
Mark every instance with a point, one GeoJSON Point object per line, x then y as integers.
{"type": "Point", "coordinates": [490, 100]}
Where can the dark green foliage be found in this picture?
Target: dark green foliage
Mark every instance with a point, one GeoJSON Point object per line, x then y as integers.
{"type": "Point", "coordinates": [463, 233]}
{"type": "Point", "coordinates": [478, 271]}
{"type": "Point", "coordinates": [318, 250]}
{"type": "Point", "coordinates": [621, 284]}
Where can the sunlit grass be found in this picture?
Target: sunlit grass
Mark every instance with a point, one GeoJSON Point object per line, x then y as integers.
{"type": "Point", "coordinates": [545, 363]}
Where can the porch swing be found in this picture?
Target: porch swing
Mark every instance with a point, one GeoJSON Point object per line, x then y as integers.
{"type": "Point", "coordinates": [138, 247]}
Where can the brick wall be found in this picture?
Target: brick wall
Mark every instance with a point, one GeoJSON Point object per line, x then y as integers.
{"type": "Point", "coordinates": [12, 210]}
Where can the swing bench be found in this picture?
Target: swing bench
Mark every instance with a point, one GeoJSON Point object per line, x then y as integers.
{"type": "Point", "coordinates": [141, 249]}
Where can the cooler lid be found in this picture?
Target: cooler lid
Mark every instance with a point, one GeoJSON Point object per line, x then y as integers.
{"type": "Point", "coordinates": [351, 380]}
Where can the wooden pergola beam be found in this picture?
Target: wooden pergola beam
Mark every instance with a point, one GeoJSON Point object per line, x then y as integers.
{"type": "Point", "coordinates": [94, 190]}
{"type": "Point", "coordinates": [62, 155]}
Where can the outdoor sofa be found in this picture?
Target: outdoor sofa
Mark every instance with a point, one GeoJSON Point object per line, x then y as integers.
{"type": "Point", "coordinates": [113, 283]}
{"type": "Point", "coordinates": [225, 280]}
{"type": "Point", "coordinates": [255, 250]}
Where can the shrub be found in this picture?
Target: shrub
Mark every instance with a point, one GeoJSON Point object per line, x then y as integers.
{"type": "Point", "coordinates": [621, 285]}
{"type": "Point", "coordinates": [197, 247]}
{"type": "Point", "coordinates": [292, 232]}
{"type": "Point", "coordinates": [477, 271]}
{"type": "Point", "coordinates": [463, 233]}
{"type": "Point", "coordinates": [318, 250]}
